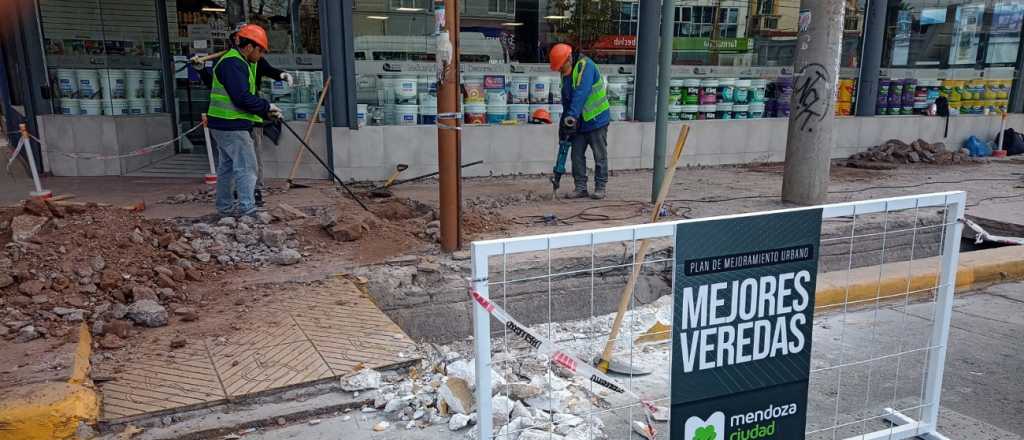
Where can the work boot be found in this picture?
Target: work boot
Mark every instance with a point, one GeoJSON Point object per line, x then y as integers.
{"type": "Point", "coordinates": [258, 197]}
{"type": "Point", "coordinates": [598, 194]}
{"type": "Point", "coordinates": [577, 194]}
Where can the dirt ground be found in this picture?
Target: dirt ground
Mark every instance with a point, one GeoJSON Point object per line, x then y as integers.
{"type": "Point", "coordinates": [404, 225]}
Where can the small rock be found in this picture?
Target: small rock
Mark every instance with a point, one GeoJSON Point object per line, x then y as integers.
{"type": "Point", "coordinates": [97, 263]}
{"type": "Point", "coordinates": [286, 257]}
{"type": "Point", "coordinates": [178, 342]}
{"type": "Point", "coordinates": [501, 407]}
{"type": "Point", "coordinates": [264, 218]}
{"type": "Point", "coordinates": [4, 330]}
{"type": "Point", "coordinates": [346, 232]}
{"type": "Point", "coordinates": [187, 314]}
{"type": "Point", "coordinates": [70, 315]}
{"type": "Point", "coordinates": [227, 221]}
{"type": "Point", "coordinates": [280, 420]}
{"type": "Point", "coordinates": [246, 220]}
{"type": "Point", "coordinates": [163, 280]}
{"type": "Point", "coordinates": [24, 227]}
{"type": "Point", "coordinates": [118, 327]}
{"type": "Point", "coordinates": [40, 299]}
{"type": "Point", "coordinates": [110, 279]}
{"type": "Point", "coordinates": [97, 327]}
{"type": "Point", "coordinates": [5, 280]}
{"type": "Point", "coordinates": [85, 432]}
{"type": "Point", "coordinates": [88, 288]}
{"type": "Point", "coordinates": [381, 426]}
{"type": "Point", "coordinates": [274, 237]}
{"type": "Point", "coordinates": [177, 273]}
{"type": "Point", "coordinates": [116, 311]}
{"type": "Point", "coordinates": [180, 249]}
{"type": "Point", "coordinates": [457, 395]}
{"type": "Point", "coordinates": [26, 334]}
{"type": "Point", "coordinates": [193, 275]}
{"type": "Point", "coordinates": [284, 212]}
{"type": "Point", "coordinates": [137, 237]}
{"type": "Point", "coordinates": [460, 255]}
{"type": "Point", "coordinates": [111, 342]}
{"type": "Point", "coordinates": [458, 421]}
{"type": "Point", "coordinates": [643, 429]}
{"type": "Point", "coordinates": [143, 292]}
{"type": "Point", "coordinates": [19, 300]}
{"type": "Point", "coordinates": [148, 313]}
{"type": "Point", "coordinates": [365, 379]}
{"type": "Point", "coordinates": [31, 287]}
{"type": "Point", "coordinates": [203, 257]}
{"type": "Point", "coordinates": [522, 391]}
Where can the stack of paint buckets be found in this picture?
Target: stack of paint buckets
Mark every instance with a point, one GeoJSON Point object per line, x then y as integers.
{"type": "Point", "coordinates": [110, 92]}
{"type": "Point", "coordinates": [845, 96]}
{"type": "Point", "coordinates": [297, 101]}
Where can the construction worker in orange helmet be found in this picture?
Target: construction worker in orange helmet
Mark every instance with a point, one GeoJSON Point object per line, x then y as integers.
{"type": "Point", "coordinates": [585, 117]}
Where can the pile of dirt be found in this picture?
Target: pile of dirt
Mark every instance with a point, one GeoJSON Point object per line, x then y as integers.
{"type": "Point", "coordinates": [895, 151]}
{"type": "Point", "coordinates": [63, 264]}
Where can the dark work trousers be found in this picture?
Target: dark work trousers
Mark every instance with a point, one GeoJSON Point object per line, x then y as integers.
{"type": "Point", "coordinates": [598, 142]}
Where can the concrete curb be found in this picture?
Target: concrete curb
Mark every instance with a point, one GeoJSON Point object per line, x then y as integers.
{"type": "Point", "coordinates": [52, 410]}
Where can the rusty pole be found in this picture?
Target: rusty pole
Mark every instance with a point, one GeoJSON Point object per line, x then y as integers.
{"type": "Point", "coordinates": [449, 129]}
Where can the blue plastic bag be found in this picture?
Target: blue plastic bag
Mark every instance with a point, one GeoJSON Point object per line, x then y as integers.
{"type": "Point", "coordinates": [977, 147]}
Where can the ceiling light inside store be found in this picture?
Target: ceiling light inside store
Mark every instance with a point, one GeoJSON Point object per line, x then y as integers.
{"type": "Point", "coordinates": [377, 17]}
{"type": "Point", "coordinates": [512, 24]}
{"type": "Point", "coordinates": [555, 17]}
{"type": "Point", "coordinates": [404, 9]}
{"type": "Point", "coordinates": [213, 9]}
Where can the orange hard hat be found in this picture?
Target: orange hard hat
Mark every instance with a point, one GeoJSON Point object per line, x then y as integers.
{"type": "Point", "coordinates": [542, 115]}
{"type": "Point", "coordinates": [559, 55]}
{"type": "Point", "coordinates": [256, 34]}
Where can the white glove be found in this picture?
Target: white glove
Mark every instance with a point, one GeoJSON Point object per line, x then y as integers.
{"type": "Point", "coordinates": [287, 77]}
{"type": "Point", "coordinates": [275, 112]}
{"type": "Point", "coordinates": [197, 62]}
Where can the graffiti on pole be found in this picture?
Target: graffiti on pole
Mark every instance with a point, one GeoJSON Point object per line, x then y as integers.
{"type": "Point", "coordinates": [812, 96]}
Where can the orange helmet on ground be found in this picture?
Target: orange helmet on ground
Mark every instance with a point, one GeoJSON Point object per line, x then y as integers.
{"type": "Point", "coordinates": [541, 115]}
{"type": "Point", "coordinates": [256, 34]}
{"type": "Point", "coordinates": [559, 55]}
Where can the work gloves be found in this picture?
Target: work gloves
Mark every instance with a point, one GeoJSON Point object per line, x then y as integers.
{"type": "Point", "coordinates": [288, 78]}
{"type": "Point", "coordinates": [197, 62]}
{"type": "Point", "coordinates": [275, 112]}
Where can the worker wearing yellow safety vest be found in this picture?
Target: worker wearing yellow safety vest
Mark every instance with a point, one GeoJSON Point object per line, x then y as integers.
{"type": "Point", "coordinates": [585, 117]}
{"type": "Point", "coordinates": [234, 108]}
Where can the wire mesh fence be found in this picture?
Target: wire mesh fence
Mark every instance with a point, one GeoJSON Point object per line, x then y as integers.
{"type": "Point", "coordinates": [545, 306]}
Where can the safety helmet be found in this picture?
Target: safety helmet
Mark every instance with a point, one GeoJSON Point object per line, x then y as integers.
{"type": "Point", "coordinates": [541, 115]}
{"type": "Point", "coordinates": [560, 54]}
{"type": "Point", "coordinates": [256, 34]}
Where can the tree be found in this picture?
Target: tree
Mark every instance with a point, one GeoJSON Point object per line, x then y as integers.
{"type": "Point", "coordinates": [587, 20]}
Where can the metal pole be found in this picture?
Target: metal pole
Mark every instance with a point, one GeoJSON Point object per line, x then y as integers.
{"type": "Point", "coordinates": [1017, 90]}
{"type": "Point", "coordinates": [644, 97]}
{"type": "Point", "coordinates": [871, 58]}
{"type": "Point", "coordinates": [482, 345]}
{"type": "Point", "coordinates": [664, 76]}
{"type": "Point", "coordinates": [449, 129]}
{"type": "Point", "coordinates": [812, 118]}
{"type": "Point", "coordinates": [167, 69]}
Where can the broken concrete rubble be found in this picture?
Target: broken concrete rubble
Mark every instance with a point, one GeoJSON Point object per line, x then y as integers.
{"type": "Point", "coordinates": [148, 313]}
{"type": "Point", "coordinates": [365, 379]}
{"type": "Point", "coordinates": [457, 395]}
{"type": "Point", "coordinates": [25, 227]}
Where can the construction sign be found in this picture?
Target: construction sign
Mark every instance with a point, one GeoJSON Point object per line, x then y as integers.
{"type": "Point", "coordinates": [743, 307]}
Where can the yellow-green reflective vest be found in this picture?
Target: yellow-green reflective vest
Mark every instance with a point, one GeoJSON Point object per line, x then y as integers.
{"type": "Point", "coordinates": [597, 100]}
{"type": "Point", "coordinates": [220, 103]}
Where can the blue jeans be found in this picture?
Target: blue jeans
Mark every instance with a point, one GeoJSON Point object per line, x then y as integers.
{"type": "Point", "coordinates": [236, 170]}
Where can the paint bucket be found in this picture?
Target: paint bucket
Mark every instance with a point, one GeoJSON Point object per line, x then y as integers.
{"type": "Point", "coordinates": [476, 113]}
{"type": "Point", "coordinates": [726, 90]}
{"type": "Point", "coordinates": [556, 90]}
{"type": "Point", "coordinates": [617, 88]}
{"type": "Point", "coordinates": [303, 112]}
{"type": "Point", "coordinates": [428, 99]}
{"type": "Point", "coordinates": [287, 110]}
{"type": "Point", "coordinates": [708, 92]}
{"type": "Point", "coordinates": [116, 107]}
{"type": "Point", "coordinates": [70, 106]}
{"type": "Point", "coordinates": [691, 92]}
{"type": "Point", "coordinates": [361, 110]}
{"type": "Point", "coordinates": [137, 106]}
{"type": "Point", "coordinates": [756, 110]}
{"type": "Point", "coordinates": [688, 112]}
{"type": "Point", "coordinates": [496, 114]}
{"type": "Point", "coordinates": [540, 89]}
{"type": "Point", "coordinates": [675, 112]}
{"type": "Point", "coordinates": [428, 114]}
{"type": "Point", "coordinates": [133, 83]}
{"type": "Point", "coordinates": [845, 93]}
{"type": "Point", "coordinates": [556, 113]}
{"type": "Point", "coordinates": [519, 89]}
{"type": "Point", "coordinates": [497, 97]}
{"type": "Point", "coordinates": [519, 113]}
{"type": "Point", "coordinates": [740, 111]}
{"type": "Point", "coordinates": [151, 84]}
{"type": "Point", "coordinates": [757, 90]}
{"type": "Point", "coordinates": [279, 88]}
{"type": "Point", "coordinates": [405, 89]}
{"type": "Point", "coordinates": [92, 107]}
{"type": "Point", "coordinates": [741, 95]}
{"type": "Point", "coordinates": [155, 105]}
{"type": "Point", "coordinates": [474, 85]}
{"type": "Point", "coordinates": [676, 90]}
{"type": "Point", "coordinates": [67, 83]}
{"type": "Point", "coordinates": [112, 83]}
{"type": "Point", "coordinates": [406, 114]}
{"type": "Point", "coordinates": [88, 83]}
{"type": "Point", "coordinates": [618, 112]}
{"type": "Point", "coordinates": [723, 110]}
{"type": "Point", "coordinates": [386, 90]}
{"type": "Point", "coordinates": [426, 84]}
{"type": "Point", "coordinates": [706, 111]}
{"type": "Point", "coordinates": [843, 108]}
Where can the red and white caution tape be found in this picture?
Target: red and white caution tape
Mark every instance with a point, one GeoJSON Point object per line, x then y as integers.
{"type": "Point", "coordinates": [138, 152]}
{"type": "Point", "coordinates": [557, 356]}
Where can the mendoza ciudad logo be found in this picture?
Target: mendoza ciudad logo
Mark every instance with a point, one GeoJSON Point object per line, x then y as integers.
{"type": "Point", "coordinates": [752, 425]}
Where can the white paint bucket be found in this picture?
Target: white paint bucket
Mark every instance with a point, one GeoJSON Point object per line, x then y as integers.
{"type": "Point", "coordinates": [67, 83]}
{"type": "Point", "coordinates": [112, 83]}
{"type": "Point", "coordinates": [407, 114]}
{"type": "Point", "coordinates": [151, 84]}
{"type": "Point", "coordinates": [361, 110]}
{"type": "Point", "coordinates": [137, 106]}
{"type": "Point", "coordinates": [428, 99]}
{"type": "Point", "coordinates": [475, 113]}
{"type": "Point", "coordinates": [556, 90]}
{"type": "Point", "coordinates": [386, 90]}
{"type": "Point", "coordinates": [428, 114]}
{"type": "Point", "coordinates": [497, 97]}
{"type": "Point", "coordinates": [88, 83]}
{"type": "Point", "coordinates": [405, 89]}
{"type": "Point", "coordinates": [618, 112]}
{"type": "Point", "coordinates": [155, 105]}
{"type": "Point", "coordinates": [93, 107]}
{"type": "Point", "coordinates": [116, 107]}
{"type": "Point", "coordinates": [496, 114]}
{"type": "Point", "coordinates": [617, 87]}
{"type": "Point", "coordinates": [426, 84]}
{"type": "Point", "coordinates": [540, 89]}
{"type": "Point", "coordinates": [303, 112]}
{"type": "Point", "coordinates": [519, 88]}
{"type": "Point", "coordinates": [280, 88]}
{"type": "Point", "coordinates": [134, 84]}
{"type": "Point", "coordinates": [70, 106]}
{"type": "Point", "coordinates": [556, 113]}
{"type": "Point", "coordinates": [287, 110]}
{"type": "Point", "coordinates": [519, 113]}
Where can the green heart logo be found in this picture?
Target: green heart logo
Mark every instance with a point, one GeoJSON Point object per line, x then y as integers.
{"type": "Point", "coordinates": [705, 433]}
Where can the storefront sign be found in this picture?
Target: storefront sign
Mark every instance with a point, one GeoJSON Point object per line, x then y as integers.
{"type": "Point", "coordinates": [615, 42]}
{"type": "Point", "coordinates": [744, 301]}
{"type": "Point", "coordinates": [707, 44]}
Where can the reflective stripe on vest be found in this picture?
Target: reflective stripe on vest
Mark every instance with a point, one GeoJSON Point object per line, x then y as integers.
{"type": "Point", "coordinates": [597, 100]}
{"type": "Point", "coordinates": [220, 103]}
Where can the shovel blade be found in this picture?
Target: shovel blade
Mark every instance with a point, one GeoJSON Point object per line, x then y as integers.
{"type": "Point", "coordinates": [624, 367]}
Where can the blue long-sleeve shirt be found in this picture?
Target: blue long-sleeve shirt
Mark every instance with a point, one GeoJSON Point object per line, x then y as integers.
{"type": "Point", "coordinates": [573, 98]}
{"type": "Point", "coordinates": [233, 73]}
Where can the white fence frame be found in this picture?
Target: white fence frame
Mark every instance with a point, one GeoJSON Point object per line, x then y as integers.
{"type": "Point", "coordinates": [903, 426]}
